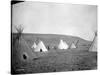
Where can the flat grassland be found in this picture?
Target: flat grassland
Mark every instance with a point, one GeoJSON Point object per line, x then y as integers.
{"type": "Point", "coordinates": [54, 60]}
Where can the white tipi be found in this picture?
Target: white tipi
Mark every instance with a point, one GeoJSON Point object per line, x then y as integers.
{"type": "Point", "coordinates": [93, 46]}
{"type": "Point", "coordinates": [40, 47]}
{"type": "Point", "coordinates": [72, 45]}
{"type": "Point", "coordinates": [34, 45]}
{"type": "Point", "coordinates": [63, 45]}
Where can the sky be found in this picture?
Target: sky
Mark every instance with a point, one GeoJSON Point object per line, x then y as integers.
{"type": "Point", "coordinates": [56, 18]}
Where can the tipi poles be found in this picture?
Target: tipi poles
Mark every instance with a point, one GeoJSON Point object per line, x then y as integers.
{"type": "Point", "coordinates": [94, 38]}
{"type": "Point", "coordinates": [77, 44]}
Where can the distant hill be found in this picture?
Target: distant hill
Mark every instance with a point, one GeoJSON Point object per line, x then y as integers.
{"type": "Point", "coordinates": [53, 39]}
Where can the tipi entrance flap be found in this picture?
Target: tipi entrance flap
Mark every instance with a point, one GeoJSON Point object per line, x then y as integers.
{"type": "Point", "coordinates": [24, 56]}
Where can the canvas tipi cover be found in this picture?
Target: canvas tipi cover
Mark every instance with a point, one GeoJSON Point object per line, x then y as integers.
{"type": "Point", "coordinates": [23, 51]}
{"type": "Point", "coordinates": [34, 45]}
{"type": "Point", "coordinates": [93, 45]}
{"type": "Point", "coordinates": [40, 47]}
{"type": "Point", "coordinates": [72, 45]}
{"type": "Point", "coordinates": [63, 45]}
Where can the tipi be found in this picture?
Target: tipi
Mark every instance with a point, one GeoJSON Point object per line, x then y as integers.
{"type": "Point", "coordinates": [62, 45]}
{"type": "Point", "coordinates": [20, 49]}
{"type": "Point", "coordinates": [34, 45]}
{"type": "Point", "coordinates": [72, 45]}
{"type": "Point", "coordinates": [93, 46]}
{"type": "Point", "coordinates": [40, 47]}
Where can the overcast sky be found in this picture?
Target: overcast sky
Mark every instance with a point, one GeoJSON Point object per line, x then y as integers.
{"type": "Point", "coordinates": [56, 18]}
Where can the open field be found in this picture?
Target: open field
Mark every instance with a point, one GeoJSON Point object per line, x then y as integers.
{"type": "Point", "coordinates": [54, 60]}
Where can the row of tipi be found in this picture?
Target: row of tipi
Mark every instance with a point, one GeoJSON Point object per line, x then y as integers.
{"type": "Point", "coordinates": [64, 45]}
{"type": "Point", "coordinates": [40, 47]}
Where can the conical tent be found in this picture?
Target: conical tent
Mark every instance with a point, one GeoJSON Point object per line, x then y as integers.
{"type": "Point", "coordinates": [23, 51]}
{"type": "Point", "coordinates": [34, 45]}
{"type": "Point", "coordinates": [93, 47]}
{"type": "Point", "coordinates": [72, 45]}
{"type": "Point", "coordinates": [40, 47]}
{"type": "Point", "coordinates": [63, 45]}
{"type": "Point", "coordinates": [66, 45]}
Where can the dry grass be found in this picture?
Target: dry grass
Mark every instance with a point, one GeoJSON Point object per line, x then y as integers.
{"type": "Point", "coordinates": [54, 60]}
